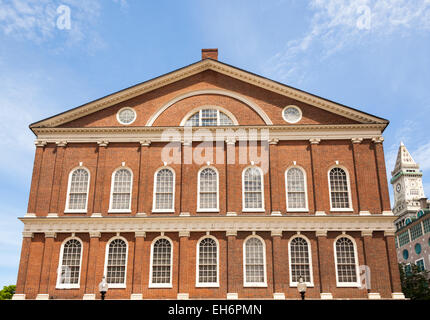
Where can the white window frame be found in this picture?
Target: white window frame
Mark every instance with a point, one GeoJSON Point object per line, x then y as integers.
{"type": "Point", "coordinates": [306, 209]}
{"type": "Point", "coordinates": [295, 107]}
{"type": "Point", "coordinates": [116, 285]}
{"type": "Point", "coordinates": [217, 191]}
{"type": "Point", "coordinates": [424, 262]}
{"type": "Point", "coordinates": [160, 285]}
{"type": "Point", "coordinates": [347, 284]}
{"type": "Point", "coordinates": [207, 284]}
{"type": "Point", "coordinates": [69, 184]}
{"type": "Point", "coordinates": [254, 284]}
{"type": "Point", "coordinates": [154, 191]}
{"type": "Point", "coordinates": [126, 108]}
{"type": "Point", "coordinates": [60, 264]}
{"type": "Point", "coordinates": [112, 188]}
{"type": "Point", "coordinates": [244, 209]}
{"type": "Point", "coordinates": [311, 271]}
{"type": "Point", "coordinates": [211, 107]}
{"type": "Point", "coordinates": [348, 182]}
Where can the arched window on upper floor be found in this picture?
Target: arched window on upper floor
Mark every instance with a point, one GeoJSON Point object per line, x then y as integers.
{"type": "Point", "coordinates": [295, 182]}
{"type": "Point", "coordinates": [252, 189]}
{"type": "Point", "coordinates": [207, 196]}
{"type": "Point", "coordinates": [209, 116]}
{"type": "Point", "coordinates": [77, 190]}
{"type": "Point", "coordinates": [120, 199]}
{"type": "Point", "coordinates": [340, 191]}
{"type": "Point", "coordinates": [164, 190]}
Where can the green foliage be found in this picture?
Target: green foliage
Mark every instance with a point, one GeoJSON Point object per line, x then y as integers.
{"type": "Point", "coordinates": [7, 292]}
{"type": "Point", "coordinates": [415, 283]}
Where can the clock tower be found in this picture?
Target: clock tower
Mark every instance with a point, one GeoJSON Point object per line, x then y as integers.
{"type": "Point", "coordinates": [408, 186]}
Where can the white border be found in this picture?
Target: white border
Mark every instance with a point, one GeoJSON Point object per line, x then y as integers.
{"type": "Point", "coordinates": [126, 108]}
{"type": "Point", "coordinates": [295, 107]}
{"type": "Point", "coordinates": [311, 269]}
{"type": "Point", "coordinates": [155, 190]}
{"type": "Point", "coordinates": [348, 182]}
{"type": "Point", "coordinates": [217, 190]}
{"type": "Point", "coordinates": [306, 209]}
{"type": "Point", "coordinates": [424, 262]}
{"type": "Point", "coordinates": [347, 284]}
{"type": "Point", "coordinates": [254, 284]}
{"type": "Point", "coordinates": [67, 210]}
{"type": "Point", "coordinates": [116, 285]}
{"type": "Point", "coordinates": [60, 264]}
{"type": "Point", "coordinates": [207, 284]}
{"type": "Point", "coordinates": [160, 285]}
{"type": "Point", "coordinates": [111, 191]}
{"type": "Point", "coordinates": [210, 107]}
{"type": "Point", "coordinates": [244, 209]}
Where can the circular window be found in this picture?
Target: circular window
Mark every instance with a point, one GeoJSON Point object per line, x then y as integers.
{"type": "Point", "coordinates": [126, 116]}
{"type": "Point", "coordinates": [405, 254]}
{"type": "Point", "coordinates": [292, 114]}
{"type": "Point", "coordinates": [417, 248]}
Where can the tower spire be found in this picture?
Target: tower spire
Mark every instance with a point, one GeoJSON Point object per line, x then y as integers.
{"type": "Point", "coordinates": [404, 160]}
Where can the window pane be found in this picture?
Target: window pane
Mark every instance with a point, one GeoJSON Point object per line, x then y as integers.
{"type": "Point", "coordinates": [78, 190]}
{"type": "Point", "coordinates": [121, 189]}
{"type": "Point", "coordinates": [161, 261]}
{"type": "Point", "coordinates": [300, 262]}
{"type": "Point", "coordinates": [164, 189]}
{"type": "Point", "coordinates": [116, 262]}
{"type": "Point", "coordinates": [339, 188]}
{"type": "Point", "coordinates": [346, 264]}
{"type": "Point", "coordinates": [254, 263]}
{"type": "Point", "coordinates": [71, 262]}
{"type": "Point", "coordinates": [208, 261]}
{"type": "Point", "coordinates": [209, 117]}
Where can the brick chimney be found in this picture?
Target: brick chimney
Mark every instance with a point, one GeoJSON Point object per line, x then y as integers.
{"type": "Point", "coordinates": [210, 54]}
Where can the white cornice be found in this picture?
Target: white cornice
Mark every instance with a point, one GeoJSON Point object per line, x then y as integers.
{"type": "Point", "coordinates": [195, 68]}
{"type": "Point", "coordinates": [194, 224]}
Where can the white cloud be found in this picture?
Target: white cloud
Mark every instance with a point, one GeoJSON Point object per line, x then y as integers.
{"type": "Point", "coordinates": [422, 156]}
{"type": "Point", "coordinates": [337, 24]}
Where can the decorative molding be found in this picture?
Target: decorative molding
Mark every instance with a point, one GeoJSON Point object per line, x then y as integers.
{"type": "Point", "coordinates": [145, 143]}
{"type": "Point", "coordinates": [61, 144]}
{"type": "Point", "coordinates": [136, 296]}
{"type": "Point", "coordinates": [141, 214]}
{"type": "Point", "coordinates": [366, 233]}
{"type": "Point", "coordinates": [326, 296]}
{"type": "Point", "coordinates": [364, 213]}
{"type": "Point", "coordinates": [26, 234]}
{"type": "Point", "coordinates": [276, 233]}
{"type": "Point", "coordinates": [42, 296]}
{"type": "Point", "coordinates": [30, 215]}
{"type": "Point", "coordinates": [320, 213]}
{"type": "Point", "coordinates": [276, 213]}
{"type": "Point", "coordinates": [387, 213]}
{"type": "Point", "coordinates": [50, 234]}
{"type": "Point", "coordinates": [18, 296]}
{"type": "Point", "coordinates": [230, 141]}
{"type": "Point", "coordinates": [184, 214]}
{"type": "Point", "coordinates": [209, 224]}
{"type": "Point", "coordinates": [52, 215]}
{"type": "Point", "coordinates": [96, 215]}
{"type": "Point", "coordinates": [273, 141]}
{"type": "Point", "coordinates": [279, 296]}
{"type": "Point", "coordinates": [378, 139]}
{"type": "Point", "coordinates": [321, 233]}
{"type": "Point", "coordinates": [231, 214]}
{"type": "Point", "coordinates": [140, 234]}
{"type": "Point", "coordinates": [40, 143]}
{"type": "Point", "coordinates": [95, 234]}
{"type": "Point", "coordinates": [374, 295]}
{"type": "Point", "coordinates": [398, 295]}
{"type": "Point", "coordinates": [390, 233]}
{"type": "Point", "coordinates": [183, 296]}
{"type": "Point", "coordinates": [184, 233]}
{"type": "Point", "coordinates": [314, 140]}
{"type": "Point", "coordinates": [103, 143]}
{"type": "Point", "coordinates": [89, 296]}
{"type": "Point", "coordinates": [230, 233]}
{"type": "Point", "coordinates": [356, 140]}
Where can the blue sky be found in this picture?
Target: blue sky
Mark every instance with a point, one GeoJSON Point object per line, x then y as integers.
{"type": "Point", "coordinates": [370, 55]}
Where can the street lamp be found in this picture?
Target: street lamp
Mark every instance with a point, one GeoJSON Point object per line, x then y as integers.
{"type": "Point", "coordinates": [301, 286]}
{"type": "Point", "coordinates": [103, 287]}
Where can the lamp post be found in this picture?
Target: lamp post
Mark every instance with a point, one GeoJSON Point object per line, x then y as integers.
{"type": "Point", "coordinates": [103, 287]}
{"type": "Point", "coordinates": [301, 286]}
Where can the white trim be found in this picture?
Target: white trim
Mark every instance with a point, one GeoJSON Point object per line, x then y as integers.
{"type": "Point", "coordinates": [116, 285]}
{"type": "Point", "coordinates": [311, 269]}
{"type": "Point", "coordinates": [357, 273]}
{"type": "Point", "coordinates": [155, 190]}
{"type": "Point", "coordinates": [60, 264]}
{"type": "Point", "coordinates": [207, 284]}
{"type": "Point", "coordinates": [306, 209]}
{"type": "Point", "coordinates": [211, 107]}
{"type": "Point", "coordinates": [67, 210]}
{"type": "Point", "coordinates": [244, 209]}
{"type": "Point", "coordinates": [160, 285]}
{"type": "Point", "coordinates": [112, 188]}
{"type": "Point", "coordinates": [126, 108]}
{"type": "Point", "coordinates": [234, 95]}
{"type": "Point", "coordinates": [254, 284]}
{"type": "Point", "coordinates": [424, 262]}
{"type": "Point", "coordinates": [217, 190]}
{"type": "Point", "coordinates": [295, 107]}
{"type": "Point", "coordinates": [348, 182]}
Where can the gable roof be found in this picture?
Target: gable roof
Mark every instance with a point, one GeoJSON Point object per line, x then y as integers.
{"type": "Point", "coordinates": [197, 67]}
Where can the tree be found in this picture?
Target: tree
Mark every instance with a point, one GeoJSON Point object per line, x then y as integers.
{"type": "Point", "coordinates": [415, 283]}
{"type": "Point", "coordinates": [7, 292]}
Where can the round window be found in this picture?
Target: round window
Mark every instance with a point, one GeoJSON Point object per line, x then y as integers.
{"type": "Point", "coordinates": [126, 116]}
{"type": "Point", "coordinates": [292, 114]}
{"type": "Point", "coordinates": [417, 248]}
{"type": "Point", "coordinates": [405, 254]}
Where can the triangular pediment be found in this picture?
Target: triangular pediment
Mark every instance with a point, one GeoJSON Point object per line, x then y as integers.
{"type": "Point", "coordinates": [198, 67]}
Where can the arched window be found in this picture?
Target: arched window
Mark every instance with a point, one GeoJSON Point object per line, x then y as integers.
{"type": "Point", "coordinates": [296, 190]}
{"type": "Point", "coordinates": [209, 117]}
{"type": "Point", "coordinates": [207, 263]}
{"type": "Point", "coordinates": [254, 258]}
{"type": "Point", "coordinates": [340, 197]}
{"type": "Point", "coordinates": [208, 190]}
{"type": "Point", "coordinates": [116, 263]}
{"type": "Point", "coordinates": [252, 189]}
{"type": "Point", "coordinates": [300, 261]}
{"type": "Point", "coordinates": [77, 194]}
{"type": "Point", "coordinates": [346, 262]}
{"type": "Point", "coordinates": [161, 263]}
{"type": "Point", "coordinates": [164, 190]}
{"type": "Point", "coordinates": [121, 190]}
{"type": "Point", "coordinates": [70, 264]}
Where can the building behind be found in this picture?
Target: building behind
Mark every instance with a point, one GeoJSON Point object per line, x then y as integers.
{"type": "Point", "coordinates": [412, 209]}
{"type": "Point", "coordinates": [293, 186]}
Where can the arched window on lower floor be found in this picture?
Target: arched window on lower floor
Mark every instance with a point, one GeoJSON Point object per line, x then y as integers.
{"type": "Point", "coordinates": [69, 270]}
{"type": "Point", "coordinates": [207, 263]}
{"type": "Point", "coordinates": [161, 263]}
{"type": "Point", "coordinates": [346, 262]}
{"type": "Point", "coordinates": [254, 260]}
{"type": "Point", "coordinates": [116, 263]}
{"type": "Point", "coordinates": [300, 259]}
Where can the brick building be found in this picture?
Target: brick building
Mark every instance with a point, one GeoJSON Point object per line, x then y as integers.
{"type": "Point", "coordinates": [281, 184]}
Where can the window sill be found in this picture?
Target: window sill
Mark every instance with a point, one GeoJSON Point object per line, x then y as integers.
{"type": "Point", "coordinates": [69, 287]}
{"type": "Point", "coordinates": [297, 210]}
{"type": "Point", "coordinates": [348, 285]}
{"type": "Point", "coordinates": [308, 284]}
{"type": "Point", "coordinates": [207, 285]}
{"type": "Point", "coordinates": [341, 210]}
{"type": "Point", "coordinates": [253, 210]}
{"type": "Point", "coordinates": [208, 210]}
{"type": "Point", "coordinates": [75, 211]}
{"type": "Point", "coordinates": [160, 286]}
{"type": "Point", "coordinates": [116, 286]}
{"type": "Point", "coordinates": [119, 211]}
{"type": "Point", "coordinates": [255, 285]}
{"type": "Point", "coordinates": [163, 211]}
